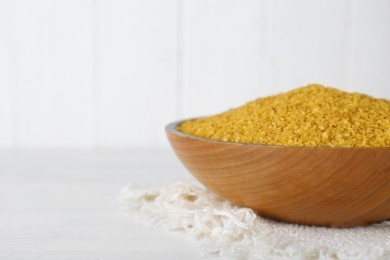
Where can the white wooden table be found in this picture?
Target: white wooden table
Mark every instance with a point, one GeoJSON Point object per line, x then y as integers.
{"type": "Point", "coordinates": [60, 205]}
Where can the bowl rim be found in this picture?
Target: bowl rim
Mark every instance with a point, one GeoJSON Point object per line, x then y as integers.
{"type": "Point", "coordinates": [172, 128]}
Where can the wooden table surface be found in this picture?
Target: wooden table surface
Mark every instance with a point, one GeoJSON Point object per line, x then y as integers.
{"type": "Point", "coordinates": [59, 204]}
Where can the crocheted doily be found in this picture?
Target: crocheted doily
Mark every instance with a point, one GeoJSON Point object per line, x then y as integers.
{"type": "Point", "coordinates": [235, 232]}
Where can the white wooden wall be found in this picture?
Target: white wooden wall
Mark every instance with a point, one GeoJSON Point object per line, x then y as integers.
{"type": "Point", "coordinates": [85, 73]}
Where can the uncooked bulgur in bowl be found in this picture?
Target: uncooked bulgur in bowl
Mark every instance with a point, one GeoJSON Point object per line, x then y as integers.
{"type": "Point", "coordinates": [314, 155]}
{"type": "Point", "coordinates": [313, 115]}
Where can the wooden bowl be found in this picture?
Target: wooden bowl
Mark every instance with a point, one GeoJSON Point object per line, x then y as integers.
{"type": "Point", "coordinates": [339, 187]}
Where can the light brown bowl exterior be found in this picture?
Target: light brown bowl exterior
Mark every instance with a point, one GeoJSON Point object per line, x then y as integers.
{"type": "Point", "coordinates": [339, 187]}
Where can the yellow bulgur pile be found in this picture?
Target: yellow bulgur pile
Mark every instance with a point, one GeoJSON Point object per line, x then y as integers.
{"type": "Point", "coordinates": [313, 115]}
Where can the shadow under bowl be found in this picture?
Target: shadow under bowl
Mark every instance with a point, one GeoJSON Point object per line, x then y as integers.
{"type": "Point", "coordinates": [325, 186]}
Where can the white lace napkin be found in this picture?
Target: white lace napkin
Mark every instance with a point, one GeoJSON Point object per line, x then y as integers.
{"type": "Point", "coordinates": [235, 232]}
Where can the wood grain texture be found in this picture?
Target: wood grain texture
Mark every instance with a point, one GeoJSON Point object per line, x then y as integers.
{"type": "Point", "coordinates": [339, 187]}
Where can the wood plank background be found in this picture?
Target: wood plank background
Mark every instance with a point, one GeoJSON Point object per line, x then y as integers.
{"type": "Point", "coordinates": [100, 73]}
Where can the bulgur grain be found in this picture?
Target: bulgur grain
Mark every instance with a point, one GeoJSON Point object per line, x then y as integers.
{"type": "Point", "coordinates": [313, 115]}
